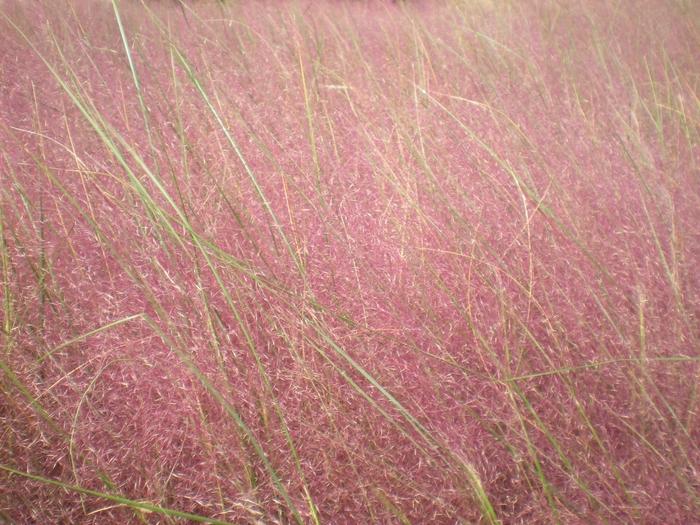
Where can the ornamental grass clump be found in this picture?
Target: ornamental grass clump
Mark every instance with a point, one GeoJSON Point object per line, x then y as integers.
{"type": "Point", "coordinates": [349, 262]}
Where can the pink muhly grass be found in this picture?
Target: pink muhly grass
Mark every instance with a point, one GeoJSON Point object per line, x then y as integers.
{"type": "Point", "coordinates": [349, 262]}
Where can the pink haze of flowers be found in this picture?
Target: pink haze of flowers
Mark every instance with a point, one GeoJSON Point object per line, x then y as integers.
{"type": "Point", "coordinates": [350, 262]}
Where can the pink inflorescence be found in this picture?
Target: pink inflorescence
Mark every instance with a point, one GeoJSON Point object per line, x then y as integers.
{"type": "Point", "coordinates": [349, 262]}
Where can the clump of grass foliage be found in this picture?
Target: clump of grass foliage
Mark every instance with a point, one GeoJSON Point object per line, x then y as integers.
{"type": "Point", "coordinates": [349, 261]}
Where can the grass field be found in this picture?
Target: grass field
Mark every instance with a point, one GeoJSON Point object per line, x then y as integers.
{"type": "Point", "coordinates": [350, 262]}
